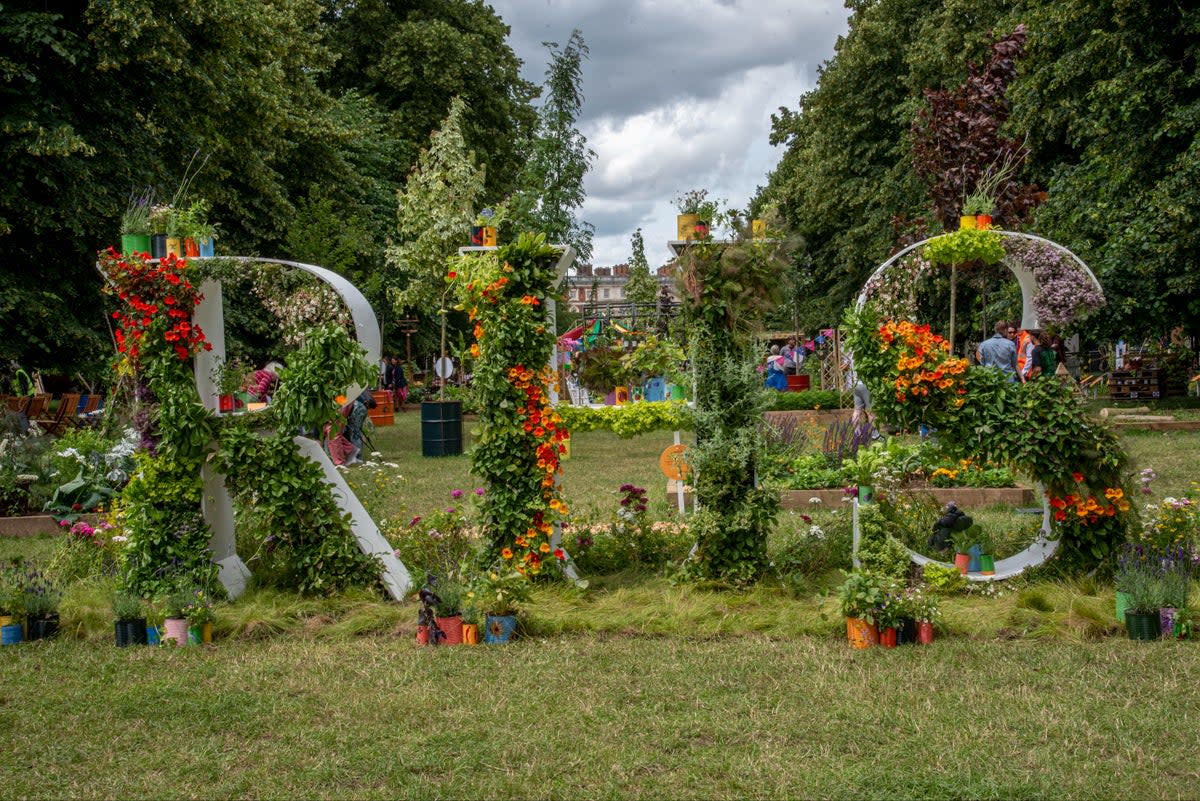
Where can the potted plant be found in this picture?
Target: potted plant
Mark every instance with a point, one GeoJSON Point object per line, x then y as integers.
{"type": "Point", "coordinates": [696, 215]}
{"type": "Point", "coordinates": [472, 618]}
{"type": "Point", "coordinates": [601, 370]}
{"type": "Point", "coordinates": [889, 618]}
{"type": "Point", "coordinates": [175, 607]}
{"type": "Point", "coordinates": [962, 542]}
{"type": "Point", "coordinates": [448, 611]}
{"type": "Point", "coordinates": [861, 595]}
{"type": "Point", "coordinates": [977, 211]}
{"type": "Point", "coordinates": [12, 607]}
{"type": "Point", "coordinates": [41, 599]}
{"type": "Point", "coordinates": [484, 231]}
{"type": "Point", "coordinates": [197, 232]}
{"type": "Point", "coordinates": [651, 358]}
{"type": "Point", "coordinates": [135, 222]}
{"type": "Point", "coordinates": [862, 469]}
{"type": "Point", "coordinates": [161, 215]}
{"type": "Point", "coordinates": [130, 622]}
{"type": "Point", "coordinates": [1139, 578]}
{"type": "Point", "coordinates": [1175, 585]}
{"type": "Point", "coordinates": [923, 606]}
{"type": "Point", "coordinates": [987, 552]}
{"type": "Point", "coordinates": [230, 377]}
{"type": "Point", "coordinates": [502, 591]}
{"type": "Point", "coordinates": [200, 617]}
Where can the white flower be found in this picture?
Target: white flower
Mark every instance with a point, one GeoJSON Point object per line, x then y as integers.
{"type": "Point", "coordinates": [814, 501]}
{"type": "Point", "coordinates": [376, 453]}
{"type": "Point", "coordinates": [119, 538]}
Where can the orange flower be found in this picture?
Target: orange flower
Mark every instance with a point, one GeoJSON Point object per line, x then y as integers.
{"type": "Point", "coordinates": [507, 553]}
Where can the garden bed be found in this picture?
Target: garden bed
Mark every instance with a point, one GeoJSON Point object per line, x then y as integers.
{"type": "Point", "coordinates": [822, 417]}
{"type": "Point", "coordinates": [35, 525]}
{"type": "Point", "coordinates": [966, 497]}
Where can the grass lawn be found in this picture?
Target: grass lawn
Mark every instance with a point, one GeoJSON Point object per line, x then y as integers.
{"type": "Point", "coordinates": [633, 687]}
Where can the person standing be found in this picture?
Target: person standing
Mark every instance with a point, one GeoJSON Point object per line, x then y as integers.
{"type": "Point", "coordinates": [399, 383]}
{"type": "Point", "coordinates": [793, 357]}
{"type": "Point", "coordinates": [998, 350]}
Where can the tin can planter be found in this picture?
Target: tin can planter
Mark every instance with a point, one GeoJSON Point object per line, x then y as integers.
{"type": "Point", "coordinates": [175, 246]}
{"type": "Point", "coordinates": [43, 628]}
{"type": "Point", "coordinates": [153, 635]}
{"type": "Point", "coordinates": [906, 632]}
{"type": "Point", "coordinates": [158, 246]}
{"type": "Point", "coordinates": [1142, 625]}
{"type": "Point", "coordinates": [962, 561]}
{"type": "Point", "coordinates": [987, 564]}
{"type": "Point", "coordinates": [10, 634]}
{"type": "Point", "coordinates": [499, 629]}
{"type": "Point", "coordinates": [207, 247]}
{"type": "Point", "coordinates": [470, 634]}
{"type": "Point", "coordinates": [924, 632]}
{"type": "Point", "coordinates": [191, 247]}
{"type": "Point", "coordinates": [888, 637]}
{"type": "Point", "coordinates": [135, 243]}
{"type": "Point", "coordinates": [130, 632]}
{"type": "Point", "coordinates": [966, 221]}
{"type": "Point", "coordinates": [452, 627]}
{"type": "Point", "coordinates": [860, 633]}
{"type": "Point", "coordinates": [1166, 622]}
{"type": "Point", "coordinates": [200, 635]}
{"type": "Point", "coordinates": [983, 221]}
{"type": "Point", "coordinates": [422, 635]}
{"type": "Point", "coordinates": [976, 553]}
{"type": "Point", "coordinates": [177, 630]}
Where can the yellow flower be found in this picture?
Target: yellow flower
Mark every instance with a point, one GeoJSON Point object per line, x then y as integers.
{"type": "Point", "coordinates": [544, 547]}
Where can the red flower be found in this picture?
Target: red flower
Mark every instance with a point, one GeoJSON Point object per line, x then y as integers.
{"type": "Point", "coordinates": [1077, 475]}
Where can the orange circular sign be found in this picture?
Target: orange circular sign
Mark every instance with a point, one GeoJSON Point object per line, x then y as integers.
{"type": "Point", "coordinates": [672, 464]}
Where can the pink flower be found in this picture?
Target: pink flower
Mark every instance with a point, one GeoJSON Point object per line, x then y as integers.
{"type": "Point", "coordinates": [456, 493]}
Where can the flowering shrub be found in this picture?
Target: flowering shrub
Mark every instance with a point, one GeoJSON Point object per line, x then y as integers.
{"type": "Point", "coordinates": [1037, 428]}
{"type": "Point", "coordinates": [1172, 521]}
{"type": "Point", "coordinates": [629, 539]}
{"type": "Point", "coordinates": [298, 308]}
{"type": "Point", "coordinates": [521, 438]}
{"type": "Point", "coordinates": [160, 299]}
{"type": "Point", "coordinates": [804, 549]}
{"type": "Point", "coordinates": [438, 542]}
{"type": "Point", "coordinates": [86, 551]}
{"type": "Point", "coordinates": [893, 292]}
{"type": "Point", "coordinates": [1065, 293]}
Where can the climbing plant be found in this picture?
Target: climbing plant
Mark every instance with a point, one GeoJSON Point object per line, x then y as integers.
{"type": "Point", "coordinates": [725, 289]}
{"type": "Point", "coordinates": [1037, 428]}
{"type": "Point", "coordinates": [521, 437]}
{"type": "Point", "coordinates": [168, 541]}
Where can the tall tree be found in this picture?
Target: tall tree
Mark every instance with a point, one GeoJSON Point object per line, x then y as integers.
{"type": "Point", "coordinates": [435, 208]}
{"type": "Point", "coordinates": [641, 286]}
{"type": "Point", "coordinates": [558, 157]}
{"type": "Point", "coordinates": [410, 57]}
{"type": "Point", "coordinates": [957, 144]}
{"type": "Point", "coordinates": [100, 98]}
{"type": "Point", "coordinates": [1110, 100]}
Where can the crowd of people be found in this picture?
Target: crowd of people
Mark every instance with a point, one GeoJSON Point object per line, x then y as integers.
{"type": "Point", "coordinates": [1024, 354]}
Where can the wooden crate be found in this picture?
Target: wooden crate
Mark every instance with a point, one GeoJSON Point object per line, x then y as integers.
{"type": "Point", "coordinates": [383, 413]}
{"type": "Point", "coordinates": [1141, 384]}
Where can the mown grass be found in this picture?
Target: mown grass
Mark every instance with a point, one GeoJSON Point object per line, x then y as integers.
{"type": "Point", "coordinates": [600, 717]}
{"type": "Point", "coordinates": [634, 687]}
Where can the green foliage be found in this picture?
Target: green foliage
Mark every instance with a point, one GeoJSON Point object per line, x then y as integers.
{"type": "Point", "coordinates": [808, 399]}
{"type": "Point", "coordinates": [168, 538]}
{"type": "Point", "coordinates": [965, 245]}
{"type": "Point", "coordinates": [435, 543]}
{"type": "Point", "coordinates": [295, 517]}
{"type": "Point", "coordinates": [879, 552]}
{"type": "Point", "coordinates": [501, 590]}
{"type": "Point", "coordinates": [557, 157]}
{"type": "Point", "coordinates": [127, 606]}
{"type": "Point", "coordinates": [642, 287]}
{"type": "Point", "coordinates": [861, 594]}
{"type": "Point", "coordinates": [435, 211]}
{"type": "Point", "coordinates": [943, 579]}
{"type": "Point", "coordinates": [630, 419]}
{"type": "Point", "coordinates": [327, 365]}
{"type": "Point", "coordinates": [805, 552]}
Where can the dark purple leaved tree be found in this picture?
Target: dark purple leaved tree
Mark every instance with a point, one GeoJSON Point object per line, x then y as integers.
{"type": "Point", "coordinates": [957, 141]}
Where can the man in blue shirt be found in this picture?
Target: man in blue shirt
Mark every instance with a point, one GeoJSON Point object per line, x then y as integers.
{"type": "Point", "coordinates": [999, 351]}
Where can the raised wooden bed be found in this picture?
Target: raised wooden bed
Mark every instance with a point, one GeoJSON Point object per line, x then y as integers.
{"type": "Point", "coordinates": [966, 497]}
{"type": "Point", "coordinates": [35, 525]}
{"type": "Point", "coordinates": [821, 417]}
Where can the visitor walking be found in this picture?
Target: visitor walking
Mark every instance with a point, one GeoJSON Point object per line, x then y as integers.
{"type": "Point", "coordinates": [998, 350]}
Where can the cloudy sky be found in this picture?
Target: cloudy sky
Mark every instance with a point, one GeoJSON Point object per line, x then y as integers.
{"type": "Point", "coordinates": [678, 96]}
